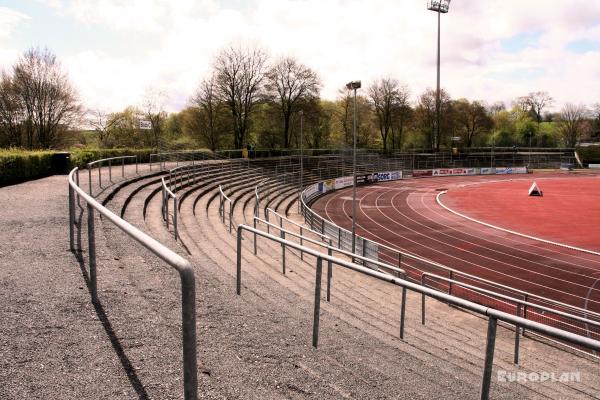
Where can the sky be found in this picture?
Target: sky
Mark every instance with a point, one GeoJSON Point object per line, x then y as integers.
{"type": "Point", "coordinates": [115, 51]}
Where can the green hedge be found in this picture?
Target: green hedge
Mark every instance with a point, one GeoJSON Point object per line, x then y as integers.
{"type": "Point", "coordinates": [18, 166]}
{"type": "Point", "coordinates": [589, 154]}
{"type": "Point", "coordinates": [80, 158]}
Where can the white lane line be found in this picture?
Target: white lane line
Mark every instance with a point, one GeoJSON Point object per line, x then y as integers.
{"type": "Point", "coordinates": [566, 246]}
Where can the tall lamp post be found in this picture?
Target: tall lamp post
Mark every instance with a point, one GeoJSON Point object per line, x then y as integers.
{"type": "Point", "coordinates": [301, 112]}
{"type": "Point", "coordinates": [354, 85]}
{"type": "Point", "coordinates": [440, 7]}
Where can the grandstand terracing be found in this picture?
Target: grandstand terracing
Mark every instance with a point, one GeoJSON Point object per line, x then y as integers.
{"type": "Point", "coordinates": [257, 345]}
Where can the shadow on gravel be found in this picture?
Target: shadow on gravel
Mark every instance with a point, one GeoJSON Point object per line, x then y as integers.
{"type": "Point", "coordinates": [114, 340]}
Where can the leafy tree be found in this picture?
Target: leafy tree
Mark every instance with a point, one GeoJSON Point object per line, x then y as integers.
{"type": "Point", "coordinates": [289, 82]}
{"type": "Point", "coordinates": [472, 120]}
{"type": "Point", "coordinates": [426, 117]}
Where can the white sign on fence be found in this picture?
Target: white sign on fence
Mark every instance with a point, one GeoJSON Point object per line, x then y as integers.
{"type": "Point", "coordinates": [145, 124]}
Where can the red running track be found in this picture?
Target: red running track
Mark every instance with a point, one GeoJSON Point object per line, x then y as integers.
{"type": "Point", "coordinates": [405, 215]}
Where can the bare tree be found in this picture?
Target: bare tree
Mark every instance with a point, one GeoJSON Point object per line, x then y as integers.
{"type": "Point", "coordinates": [291, 82]}
{"type": "Point", "coordinates": [344, 114]}
{"type": "Point", "coordinates": [384, 94]}
{"type": "Point", "coordinates": [401, 116]}
{"type": "Point", "coordinates": [572, 118]}
{"type": "Point", "coordinates": [49, 101]}
{"type": "Point", "coordinates": [538, 101]}
{"type": "Point", "coordinates": [153, 109]}
{"type": "Point", "coordinates": [426, 119]}
{"type": "Point", "coordinates": [11, 112]}
{"type": "Point", "coordinates": [102, 122]}
{"type": "Point", "coordinates": [239, 77]}
{"type": "Point", "coordinates": [207, 101]}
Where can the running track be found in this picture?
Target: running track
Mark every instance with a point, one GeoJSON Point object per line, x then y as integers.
{"type": "Point", "coordinates": [405, 215]}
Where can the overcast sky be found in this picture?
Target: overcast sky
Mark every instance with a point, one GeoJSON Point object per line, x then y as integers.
{"type": "Point", "coordinates": [491, 50]}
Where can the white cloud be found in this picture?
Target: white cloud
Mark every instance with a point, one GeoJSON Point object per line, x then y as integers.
{"type": "Point", "coordinates": [9, 19]}
{"type": "Point", "coordinates": [343, 40]}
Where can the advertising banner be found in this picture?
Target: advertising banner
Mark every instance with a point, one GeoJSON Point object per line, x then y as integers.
{"type": "Point", "coordinates": [311, 191]}
{"type": "Point", "coordinates": [487, 171]}
{"type": "Point", "coordinates": [343, 182]}
{"type": "Point", "coordinates": [388, 176]}
{"type": "Point", "coordinates": [418, 173]}
{"type": "Point", "coordinates": [509, 170]}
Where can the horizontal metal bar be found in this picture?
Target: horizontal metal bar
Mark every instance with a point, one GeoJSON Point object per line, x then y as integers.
{"type": "Point", "coordinates": [91, 164]}
{"type": "Point", "coordinates": [515, 300]}
{"type": "Point", "coordinates": [443, 297]}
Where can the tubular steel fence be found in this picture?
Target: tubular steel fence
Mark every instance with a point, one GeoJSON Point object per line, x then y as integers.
{"type": "Point", "coordinates": [493, 315]}
{"type": "Point", "coordinates": [583, 321]}
{"type": "Point", "coordinates": [181, 265]}
{"type": "Point", "coordinates": [167, 195]}
{"type": "Point", "coordinates": [109, 163]}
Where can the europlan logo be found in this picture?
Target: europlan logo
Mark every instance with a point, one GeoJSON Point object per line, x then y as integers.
{"type": "Point", "coordinates": [544, 376]}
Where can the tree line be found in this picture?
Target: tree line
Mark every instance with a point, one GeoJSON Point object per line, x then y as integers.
{"type": "Point", "coordinates": [248, 98]}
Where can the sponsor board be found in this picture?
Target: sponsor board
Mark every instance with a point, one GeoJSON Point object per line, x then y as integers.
{"type": "Point", "coordinates": [418, 173]}
{"type": "Point", "coordinates": [487, 171]}
{"type": "Point", "coordinates": [366, 179]}
{"type": "Point", "coordinates": [455, 171]}
{"type": "Point", "coordinates": [513, 170]}
{"type": "Point", "coordinates": [343, 182]}
{"type": "Point", "coordinates": [328, 185]}
{"type": "Point", "coordinates": [388, 176]}
{"type": "Point", "coordinates": [311, 191]}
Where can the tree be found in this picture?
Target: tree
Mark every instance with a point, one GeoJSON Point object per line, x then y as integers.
{"type": "Point", "coordinates": [290, 83]}
{"type": "Point", "coordinates": [538, 101]}
{"type": "Point", "coordinates": [426, 117]}
{"type": "Point", "coordinates": [402, 115]}
{"type": "Point", "coordinates": [153, 110]}
{"type": "Point", "coordinates": [471, 119]}
{"type": "Point", "coordinates": [385, 96]}
{"type": "Point", "coordinates": [239, 77]}
{"type": "Point", "coordinates": [11, 113]}
{"type": "Point", "coordinates": [210, 108]}
{"type": "Point", "coordinates": [344, 114]}
{"type": "Point", "coordinates": [572, 118]}
{"type": "Point", "coordinates": [48, 99]}
{"type": "Point", "coordinates": [102, 122]}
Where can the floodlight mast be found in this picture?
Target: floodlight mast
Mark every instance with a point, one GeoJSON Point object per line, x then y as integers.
{"type": "Point", "coordinates": [354, 85]}
{"type": "Point", "coordinates": [441, 7]}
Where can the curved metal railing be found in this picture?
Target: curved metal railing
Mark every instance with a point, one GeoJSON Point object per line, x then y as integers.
{"type": "Point", "coordinates": [180, 264]}
{"type": "Point", "coordinates": [109, 161]}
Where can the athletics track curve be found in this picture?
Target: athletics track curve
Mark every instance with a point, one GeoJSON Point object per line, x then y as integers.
{"type": "Point", "coordinates": [405, 215]}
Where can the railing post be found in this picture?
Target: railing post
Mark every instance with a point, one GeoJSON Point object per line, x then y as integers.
{"type": "Point", "coordinates": [92, 253]}
{"type": "Point", "coordinates": [100, 175]}
{"type": "Point", "coordinates": [329, 272]}
{"type": "Point", "coordinates": [402, 312]}
{"type": "Point", "coordinates": [77, 181]}
{"type": "Point", "coordinates": [526, 299]}
{"type": "Point", "coordinates": [122, 167]}
{"type": "Point", "coordinates": [90, 180]}
{"type": "Point", "coordinates": [230, 215]}
{"type": "Point", "coordinates": [136, 164]}
{"type": "Point", "coordinates": [238, 281]}
{"type": "Point", "coordinates": [188, 335]}
{"type": "Point", "coordinates": [167, 210]}
{"type": "Point", "coordinates": [110, 171]}
{"type": "Point", "coordinates": [301, 244]}
{"type": "Point", "coordinates": [283, 252]}
{"type": "Point", "coordinates": [339, 238]}
{"type": "Point", "coordinates": [254, 222]}
{"type": "Point", "coordinates": [71, 219]}
{"type": "Point", "coordinates": [489, 358]}
{"type": "Point", "coordinates": [450, 285]}
{"type": "Point", "coordinates": [317, 311]}
{"type": "Point", "coordinates": [517, 329]}
{"type": "Point", "coordinates": [175, 218]}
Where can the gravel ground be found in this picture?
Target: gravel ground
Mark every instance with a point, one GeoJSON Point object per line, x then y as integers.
{"type": "Point", "coordinates": [52, 344]}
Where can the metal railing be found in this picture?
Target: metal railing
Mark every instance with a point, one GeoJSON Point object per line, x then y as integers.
{"type": "Point", "coordinates": [523, 307]}
{"type": "Point", "coordinates": [493, 315]}
{"type": "Point", "coordinates": [167, 194]}
{"type": "Point", "coordinates": [109, 161]}
{"type": "Point", "coordinates": [222, 199]}
{"type": "Point", "coordinates": [181, 265]}
{"type": "Point", "coordinates": [415, 266]}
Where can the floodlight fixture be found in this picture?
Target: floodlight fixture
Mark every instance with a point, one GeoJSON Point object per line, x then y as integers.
{"type": "Point", "coordinates": [353, 85]}
{"type": "Point", "coordinates": [441, 6]}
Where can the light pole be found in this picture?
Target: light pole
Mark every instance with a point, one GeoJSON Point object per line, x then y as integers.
{"type": "Point", "coordinates": [441, 7]}
{"type": "Point", "coordinates": [301, 112]}
{"type": "Point", "coordinates": [354, 85]}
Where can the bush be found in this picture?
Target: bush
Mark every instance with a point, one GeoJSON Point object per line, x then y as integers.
{"type": "Point", "coordinates": [18, 166]}
{"type": "Point", "coordinates": [81, 157]}
{"type": "Point", "coordinates": [589, 154]}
